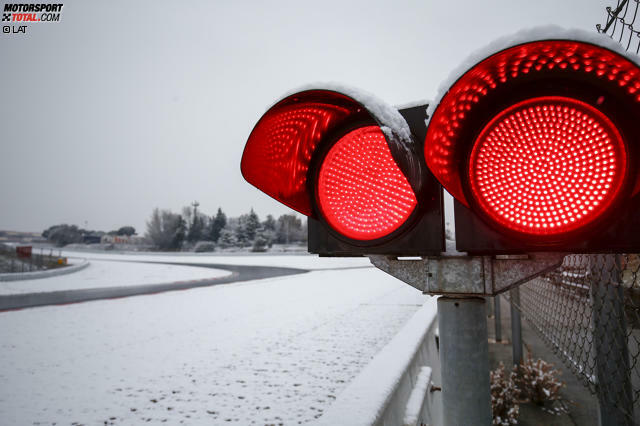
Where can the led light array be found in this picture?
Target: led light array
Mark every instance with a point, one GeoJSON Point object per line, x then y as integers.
{"type": "Point", "coordinates": [547, 165]}
{"type": "Point", "coordinates": [361, 191]}
{"type": "Point", "coordinates": [551, 58]}
{"type": "Point", "coordinates": [285, 140]}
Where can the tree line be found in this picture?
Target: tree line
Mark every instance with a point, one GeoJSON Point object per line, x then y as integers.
{"type": "Point", "coordinates": [192, 229]}
{"type": "Point", "coordinates": [64, 234]}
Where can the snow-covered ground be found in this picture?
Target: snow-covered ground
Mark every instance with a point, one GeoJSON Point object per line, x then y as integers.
{"type": "Point", "coordinates": [302, 260]}
{"type": "Point", "coordinates": [275, 351]}
{"type": "Point", "coordinates": [102, 273]}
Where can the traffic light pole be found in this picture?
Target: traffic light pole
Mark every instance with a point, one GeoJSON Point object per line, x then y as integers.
{"type": "Point", "coordinates": [497, 318]}
{"type": "Point", "coordinates": [464, 357]}
{"type": "Point", "coordinates": [463, 282]}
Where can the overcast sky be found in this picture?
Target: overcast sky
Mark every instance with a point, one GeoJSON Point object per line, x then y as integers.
{"type": "Point", "coordinates": [126, 106]}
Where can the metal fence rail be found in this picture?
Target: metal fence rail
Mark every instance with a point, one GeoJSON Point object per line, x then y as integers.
{"type": "Point", "coordinates": [10, 262]}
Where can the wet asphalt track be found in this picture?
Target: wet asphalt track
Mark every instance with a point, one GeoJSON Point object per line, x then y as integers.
{"type": "Point", "coordinates": [239, 273]}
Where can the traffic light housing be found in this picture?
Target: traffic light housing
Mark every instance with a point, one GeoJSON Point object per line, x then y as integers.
{"type": "Point", "coordinates": [538, 145]}
{"type": "Point", "coordinates": [352, 164]}
{"type": "Point", "coordinates": [537, 142]}
{"type": "Point", "coordinates": [424, 236]}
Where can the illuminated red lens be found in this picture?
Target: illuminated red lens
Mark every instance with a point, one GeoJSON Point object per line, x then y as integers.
{"type": "Point", "coordinates": [445, 145]}
{"type": "Point", "coordinates": [277, 155]}
{"type": "Point", "coordinates": [547, 166]}
{"type": "Point", "coordinates": [361, 191]}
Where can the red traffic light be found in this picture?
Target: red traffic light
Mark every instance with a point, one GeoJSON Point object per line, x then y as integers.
{"type": "Point", "coordinates": [345, 160]}
{"type": "Point", "coordinates": [361, 191]}
{"type": "Point", "coordinates": [547, 166]}
{"type": "Point", "coordinates": [537, 139]}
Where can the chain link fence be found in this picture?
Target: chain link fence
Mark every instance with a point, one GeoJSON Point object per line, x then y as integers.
{"type": "Point", "coordinates": [588, 311]}
{"type": "Point", "coordinates": [11, 262]}
{"type": "Point", "coordinates": [620, 23]}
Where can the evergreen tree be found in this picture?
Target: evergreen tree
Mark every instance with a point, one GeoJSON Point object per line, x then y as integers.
{"type": "Point", "coordinates": [260, 242]}
{"type": "Point", "coordinates": [218, 222]}
{"type": "Point", "coordinates": [252, 224]}
{"type": "Point", "coordinates": [240, 231]}
{"type": "Point", "coordinates": [227, 238]}
{"type": "Point", "coordinates": [269, 223]}
{"type": "Point", "coordinates": [247, 225]}
{"type": "Point", "coordinates": [180, 229]}
{"type": "Point", "coordinates": [196, 227]}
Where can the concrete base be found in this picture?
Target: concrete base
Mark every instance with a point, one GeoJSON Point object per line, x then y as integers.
{"type": "Point", "coordinates": [20, 276]}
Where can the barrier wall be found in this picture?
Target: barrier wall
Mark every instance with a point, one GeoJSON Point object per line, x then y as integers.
{"type": "Point", "coordinates": [400, 386]}
{"type": "Point", "coordinates": [18, 276]}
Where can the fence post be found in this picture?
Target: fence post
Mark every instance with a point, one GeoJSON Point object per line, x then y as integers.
{"type": "Point", "coordinates": [610, 341]}
{"type": "Point", "coordinates": [464, 358]}
{"type": "Point", "coordinates": [516, 325]}
{"type": "Point", "coordinates": [490, 312]}
{"type": "Point", "coordinates": [496, 301]}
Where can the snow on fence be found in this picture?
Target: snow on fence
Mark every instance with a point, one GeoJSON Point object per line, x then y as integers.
{"type": "Point", "coordinates": [399, 386]}
{"type": "Point", "coordinates": [17, 276]}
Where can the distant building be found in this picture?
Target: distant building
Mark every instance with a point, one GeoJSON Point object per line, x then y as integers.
{"type": "Point", "coordinates": [91, 239]}
{"type": "Point", "coordinates": [122, 239]}
{"type": "Point", "coordinates": [21, 237]}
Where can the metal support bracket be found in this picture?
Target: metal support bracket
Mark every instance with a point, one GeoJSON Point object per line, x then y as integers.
{"type": "Point", "coordinates": [468, 275]}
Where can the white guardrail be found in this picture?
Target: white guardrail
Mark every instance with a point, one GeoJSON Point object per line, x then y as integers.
{"type": "Point", "coordinates": [18, 276]}
{"type": "Point", "coordinates": [400, 386]}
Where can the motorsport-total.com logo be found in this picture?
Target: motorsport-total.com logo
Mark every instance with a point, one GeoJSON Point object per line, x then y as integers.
{"type": "Point", "coordinates": [19, 14]}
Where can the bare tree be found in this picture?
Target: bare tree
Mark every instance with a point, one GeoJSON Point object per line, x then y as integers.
{"type": "Point", "coordinates": [166, 230]}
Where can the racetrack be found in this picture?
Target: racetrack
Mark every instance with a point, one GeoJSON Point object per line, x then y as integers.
{"type": "Point", "coordinates": [239, 273]}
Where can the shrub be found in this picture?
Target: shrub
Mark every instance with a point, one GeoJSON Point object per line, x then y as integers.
{"type": "Point", "coordinates": [503, 398]}
{"type": "Point", "coordinates": [537, 382]}
{"type": "Point", "coordinates": [534, 381]}
{"type": "Point", "coordinates": [259, 244]}
{"type": "Point", "coordinates": [204, 246]}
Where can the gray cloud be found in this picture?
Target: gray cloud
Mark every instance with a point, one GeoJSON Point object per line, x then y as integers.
{"type": "Point", "coordinates": [125, 106]}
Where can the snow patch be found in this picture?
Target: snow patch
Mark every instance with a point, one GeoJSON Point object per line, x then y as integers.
{"type": "Point", "coordinates": [413, 104]}
{"type": "Point", "coordinates": [416, 399]}
{"type": "Point", "coordinates": [363, 401]}
{"type": "Point", "coordinates": [270, 351]}
{"type": "Point", "coordinates": [101, 274]}
{"type": "Point", "coordinates": [391, 121]}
